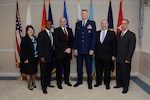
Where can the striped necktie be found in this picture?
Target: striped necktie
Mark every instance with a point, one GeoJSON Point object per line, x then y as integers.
{"type": "Point", "coordinates": [66, 35]}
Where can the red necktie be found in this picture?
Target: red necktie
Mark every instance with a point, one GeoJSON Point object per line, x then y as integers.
{"type": "Point", "coordinates": [66, 34]}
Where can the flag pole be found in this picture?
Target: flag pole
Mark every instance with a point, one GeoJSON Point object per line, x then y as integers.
{"type": "Point", "coordinates": [18, 35]}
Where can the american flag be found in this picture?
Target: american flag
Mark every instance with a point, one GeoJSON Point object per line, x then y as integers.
{"type": "Point", "coordinates": [18, 36]}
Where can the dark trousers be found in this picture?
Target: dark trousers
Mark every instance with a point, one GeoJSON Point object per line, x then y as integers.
{"type": "Point", "coordinates": [45, 69]}
{"type": "Point", "coordinates": [103, 65]}
{"type": "Point", "coordinates": [123, 74]}
{"type": "Point", "coordinates": [63, 63]}
{"type": "Point", "coordinates": [88, 64]}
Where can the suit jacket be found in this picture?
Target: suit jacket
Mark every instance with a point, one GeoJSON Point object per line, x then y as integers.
{"type": "Point", "coordinates": [44, 46]}
{"type": "Point", "coordinates": [125, 46]}
{"type": "Point", "coordinates": [27, 50]}
{"type": "Point", "coordinates": [107, 49]}
{"type": "Point", "coordinates": [60, 41]}
{"type": "Point", "coordinates": [85, 37]}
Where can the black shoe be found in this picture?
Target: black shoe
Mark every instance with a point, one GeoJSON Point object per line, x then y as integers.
{"type": "Point", "coordinates": [45, 91]}
{"type": "Point", "coordinates": [124, 91]}
{"type": "Point", "coordinates": [51, 86]}
{"type": "Point", "coordinates": [69, 84]}
{"type": "Point", "coordinates": [34, 85]}
{"type": "Point", "coordinates": [90, 87]}
{"type": "Point", "coordinates": [107, 87]}
{"type": "Point", "coordinates": [77, 84]}
{"type": "Point", "coordinates": [59, 86]}
{"type": "Point", "coordinates": [97, 85]}
{"type": "Point", "coordinates": [116, 87]}
{"type": "Point", "coordinates": [30, 87]}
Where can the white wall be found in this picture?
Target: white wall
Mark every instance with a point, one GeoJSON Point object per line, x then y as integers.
{"type": "Point", "coordinates": [100, 7]}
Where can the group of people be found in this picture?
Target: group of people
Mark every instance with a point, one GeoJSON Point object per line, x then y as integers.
{"type": "Point", "coordinates": [103, 45]}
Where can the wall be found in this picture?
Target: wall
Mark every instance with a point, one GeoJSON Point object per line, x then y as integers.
{"type": "Point", "coordinates": [7, 25]}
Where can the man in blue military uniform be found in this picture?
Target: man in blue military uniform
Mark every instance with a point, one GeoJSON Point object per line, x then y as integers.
{"type": "Point", "coordinates": [84, 45]}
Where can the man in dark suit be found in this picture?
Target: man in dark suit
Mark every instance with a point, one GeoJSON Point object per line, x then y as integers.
{"type": "Point", "coordinates": [45, 47]}
{"type": "Point", "coordinates": [105, 53]}
{"type": "Point", "coordinates": [63, 37]}
{"type": "Point", "coordinates": [126, 42]}
{"type": "Point", "coordinates": [84, 46]}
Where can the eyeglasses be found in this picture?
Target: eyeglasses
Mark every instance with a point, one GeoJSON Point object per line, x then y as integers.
{"type": "Point", "coordinates": [124, 23]}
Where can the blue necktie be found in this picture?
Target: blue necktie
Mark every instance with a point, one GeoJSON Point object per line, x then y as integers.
{"type": "Point", "coordinates": [83, 23]}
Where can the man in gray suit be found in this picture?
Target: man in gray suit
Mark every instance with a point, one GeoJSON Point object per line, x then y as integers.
{"type": "Point", "coordinates": [126, 42]}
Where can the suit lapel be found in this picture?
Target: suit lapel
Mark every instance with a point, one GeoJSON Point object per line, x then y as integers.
{"type": "Point", "coordinates": [98, 36]}
{"type": "Point", "coordinates": [124, 34]}
{"type": "Point", "coordinates": [105, 39]}
{"type": "Point", "coordinates": [47, 37]}
{"type": "Point", "coordinates": [87, 23]}
{"type": "Point", "coordinates": [47, 34]}
{"type": "Point", "coordinates": [107, 35]}
{"type": "Point", "coordinates": [62, 33]}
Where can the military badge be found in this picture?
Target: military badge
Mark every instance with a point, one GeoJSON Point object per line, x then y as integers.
{"type": "Point", "coordinates": [89, 27]}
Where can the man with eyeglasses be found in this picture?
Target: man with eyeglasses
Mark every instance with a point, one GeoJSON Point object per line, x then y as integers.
{"type": "Point", "coordinates": [126, 42]}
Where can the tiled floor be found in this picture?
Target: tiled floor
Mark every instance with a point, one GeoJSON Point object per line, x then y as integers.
{"type": "Point", "coordinates": [17, 90]}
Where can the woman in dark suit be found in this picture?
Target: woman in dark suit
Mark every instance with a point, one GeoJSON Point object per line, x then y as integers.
{"type": "Point", "coordinates": [29, 56]}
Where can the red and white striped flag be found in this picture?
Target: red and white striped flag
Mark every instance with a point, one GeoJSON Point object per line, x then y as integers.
{"type": "Point", "coordinates": [18, 36]}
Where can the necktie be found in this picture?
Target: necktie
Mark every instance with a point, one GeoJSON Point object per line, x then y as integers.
{"type": "Point", "coordinates": [51, 37]}
{"type": "Point", "coordinates": [103, 37]}
{"type": "Point", "coordinates": [66, 35]}
{"type": "Point", "coordinates": [122, 34]}
{"type": "Point", "coordinates": [83, 23]}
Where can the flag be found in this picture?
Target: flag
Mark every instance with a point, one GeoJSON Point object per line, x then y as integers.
{"type": "Point", "coordinates": [65, 13]}
{"type": "Point", "coordinates": [43, 17]}
{"type": "Point", "coordinates": [18, 36]}
{"type": "Point", "coordinates": [111, 27]}
{"type": "Point", "coordinates": [79, 11]}
{"type": "Point", "coordinates": [120, 18]}
{"type": "Point", "coordinates": [110, 17]}
{"type": "Point", "coordinates": [141, 22]}
{"type": "Point", "coordinates": [28, 17]}
{"type": "Point", "coordinates": [50, 17]}
{"type": "Point", "coordinates": [91, 11]}
{"type": "Point", "coordinates": [91, 18]}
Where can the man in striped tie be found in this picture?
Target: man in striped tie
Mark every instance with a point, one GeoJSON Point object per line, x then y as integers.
{"type": "Point", "coordinates": [63, 37]}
